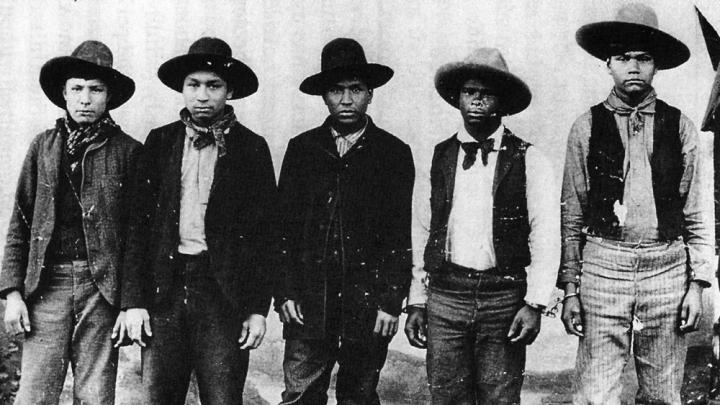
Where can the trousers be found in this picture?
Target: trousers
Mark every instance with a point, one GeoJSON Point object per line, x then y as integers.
{"type": "Point", "coordinates": [631, 298]}
{"type": "Point", "coordinates": [71, 324]}
{"type": "Point", "coordinates": [470, 360]}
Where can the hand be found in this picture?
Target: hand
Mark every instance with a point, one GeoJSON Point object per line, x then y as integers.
{"type": "Point", "coordinates": [691, 309]}
{"type": "Point", "coordinates": [16, 314]}
{"type": "Point", "coordinates": [386, 325]}
{"type": "Point", "coordinates": [290, 312]}
{"type": "Point", "coordinates": [119, 330]}
{"type": "Point", "coordinates": [572, 316]}
{"type": "Point", "coordinates": [416, 327]}
{"type": "Point", "coordinates": [526, 325]}
{"type": "Point", "coordinates": [253, 332]}
{"type": "Point", "coordinates": [137, 320]}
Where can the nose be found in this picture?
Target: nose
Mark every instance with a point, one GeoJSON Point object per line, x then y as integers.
{"type": "Point", "coordinates": [202, 93]}
{"type": "Point", "coordinates": [84, 96]}
{"type": "Point", "coordinates": [346, 97]}
{"type": "Point", "coordinates": [633, 65]}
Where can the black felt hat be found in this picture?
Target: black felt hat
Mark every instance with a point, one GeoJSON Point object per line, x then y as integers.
{"type": "Point", "coordinates": [342, 57]}
{"type": "Point", "coordinates": [211, 54]}
{"type": "Point", "coordinates": [91, 59]}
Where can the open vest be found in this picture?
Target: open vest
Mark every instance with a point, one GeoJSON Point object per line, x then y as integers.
{"type": "Point", "coordinates": [511, 227]}
{"type": "Point", "coordinates": [606, 173]}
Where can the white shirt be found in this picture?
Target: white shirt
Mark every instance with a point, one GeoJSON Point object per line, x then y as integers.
{"type": "Point", "coordinates": [470, 238]}
{"type": "Point", "coordinates": [198, 171]}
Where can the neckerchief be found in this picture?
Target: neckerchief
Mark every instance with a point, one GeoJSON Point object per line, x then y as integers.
{"type": "Point", "coordinates": [636, 119]}
{"type": "Point", "coordinates": [78, 137]}
{"type": "Point", "coordinates": [471, 148]}
{"type": "Point", "coordinates": [215, 133]}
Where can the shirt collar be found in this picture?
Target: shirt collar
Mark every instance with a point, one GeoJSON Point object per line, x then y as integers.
{"type": "Point", "coordinates": [356, 134]}
{"type": "Point", "coordinates": [464, 136]}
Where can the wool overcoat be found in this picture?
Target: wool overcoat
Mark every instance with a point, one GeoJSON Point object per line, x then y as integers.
{"type": "Point", "coordinates": [345, 230]}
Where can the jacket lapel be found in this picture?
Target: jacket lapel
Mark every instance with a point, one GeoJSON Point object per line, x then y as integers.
{"type": "Point", "coordinates": [174, 169]}
{"type": "Point", "coordinates": [53, 168]}
{"type": "Point", "coordinates": [505, 159]}
{"type": "Point", "coordinates": [449, 166]}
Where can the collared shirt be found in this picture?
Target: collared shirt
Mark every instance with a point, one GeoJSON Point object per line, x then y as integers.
{"type": "Point", "coordinates": [345, 142]}
{"type": "Point", "coordinates": [470, 239]}
{"type": "Point", "coordinates": [198, 171]}
{"type": "Point", "coordinates": [641, 219]}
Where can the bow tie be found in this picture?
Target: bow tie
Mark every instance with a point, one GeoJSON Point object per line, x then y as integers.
{"type": "Point", "coordinates": [471, 149]}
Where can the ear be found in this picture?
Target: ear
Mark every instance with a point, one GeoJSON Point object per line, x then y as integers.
{"type": "Point", "coordinates": [370, 95]}
{"type": "Point", "coordinates": [229, 94]}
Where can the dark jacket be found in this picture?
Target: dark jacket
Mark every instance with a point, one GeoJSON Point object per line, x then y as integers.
{"type": "Point", "coordinates": [237, 229]}
{"type": "Point", "coordinates": [107, 174]}
{"type": "Point", "coordinates": [511, 227]}
{"type": "Point", "coordinates": [345, 219]}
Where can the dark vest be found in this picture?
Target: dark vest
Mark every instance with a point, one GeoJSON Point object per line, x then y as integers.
{"type": "Point", "coordinates": [511, 227]}
{"type": "Point", "coordinates": [606, 173]}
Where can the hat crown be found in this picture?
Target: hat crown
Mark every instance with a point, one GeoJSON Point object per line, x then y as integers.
{"type": "Point", "coordinates": [212, 46]}
{"type": "Point", "coordinates": [94, 52]}
{"type": "Point", "coordinates": [489, 57]}
{"type": "Point", "coordinates": [637, 13]}
{"type": "Point", "coordinates": [342, 52]}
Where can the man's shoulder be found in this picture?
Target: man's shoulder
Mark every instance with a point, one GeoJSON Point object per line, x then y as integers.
{"type": "Point", "coordinates": [172, 127]}
{"type": "Point", "coordinates": [387, 138]}
{"type": "Point", "coordinates": [125, 140]}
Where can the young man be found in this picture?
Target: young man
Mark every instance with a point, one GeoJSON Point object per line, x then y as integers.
{"type": "Point", "coordinates": [636, 219]}
{"type": "Point", "coordinates": [345, 201]}
{"type": "Point", "coordinates": [65, 243]}
{"type": "Point", "coordinates": [195, 284]}
{"type": "Point", "coordinates": [493, 243]}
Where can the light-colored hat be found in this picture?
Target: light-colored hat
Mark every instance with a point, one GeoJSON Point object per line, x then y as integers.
{"type": "Point", "coordinates": [635, 28]}
{"type": "Point", "coordinates": [488, 65]}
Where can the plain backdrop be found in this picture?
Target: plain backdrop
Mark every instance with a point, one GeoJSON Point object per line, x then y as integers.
{"type": "Point", "coordinates": [281, 41]}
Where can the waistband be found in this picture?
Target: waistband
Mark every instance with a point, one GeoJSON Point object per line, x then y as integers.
{"type": "Point", "coordinates": [471, 273]}
{"type": "Point", "coordinates": [70, 263]}
{"type": "Point", "coordinates": [634, 245]}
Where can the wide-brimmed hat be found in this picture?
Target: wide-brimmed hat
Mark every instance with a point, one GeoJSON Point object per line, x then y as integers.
{"type": "Point", "coordinates": [488, 65]}
{"type": "Point", "coordinates": [211, 54]}
{"type": "Point", "coordinates": [342, 57]}
{"type": "Point", "coordinates": [635, 28]}
{"type": "Point", "coordinates": [91, 59]}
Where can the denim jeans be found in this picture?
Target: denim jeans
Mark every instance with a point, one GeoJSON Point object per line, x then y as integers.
{"type": "Point", "coordinates": [308, 364]}
{"type": "Point", "coordinates": [198, 331]}
{"type": "Point", "coordinates": [469, 357]}
{"type": "Point", "coordinates": [71, 324]}
{"type": "Point", "coordinates": [631, 298]}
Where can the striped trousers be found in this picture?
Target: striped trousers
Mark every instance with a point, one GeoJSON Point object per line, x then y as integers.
{"type": "Point", "coordinates": [631, 298]}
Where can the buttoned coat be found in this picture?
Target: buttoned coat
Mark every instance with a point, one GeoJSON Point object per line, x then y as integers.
{"type": "Point", "coordinates": [368, 191]}
{"type": "Point", "coordinates": [237, 221]}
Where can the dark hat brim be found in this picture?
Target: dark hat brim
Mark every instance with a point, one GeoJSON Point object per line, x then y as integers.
{"type": "Point", "coordinates": [605, 39]}
{"type": "Point", "coordinates": [515, 95]}
{"type": "Point", "coordinates": [240, 78]}
{"type": "Point", "coordinates": [373, 74]}
{"type": "Point", "coordinates": [56, 71]}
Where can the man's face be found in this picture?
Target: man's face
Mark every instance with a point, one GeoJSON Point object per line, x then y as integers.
{"type": "Point", "coordinates": [478, 102]}
{"type": "Point", "coordinates": [632, 72]}
{"type": "Point", "coordinates": [348, 101]}
{"type": "Point", "coordinates": [86, 99]}
{"type": "Point", "coordinates": [205, 95]}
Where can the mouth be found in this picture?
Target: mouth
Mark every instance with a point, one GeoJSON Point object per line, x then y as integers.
{"type": "Point", "coordinates": [635, 82]}
{"type": "Point", "coordinates": [85, 112]}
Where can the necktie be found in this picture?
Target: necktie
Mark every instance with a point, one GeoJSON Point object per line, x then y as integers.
{"type": "Point", "coordinates": [471, 149]}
